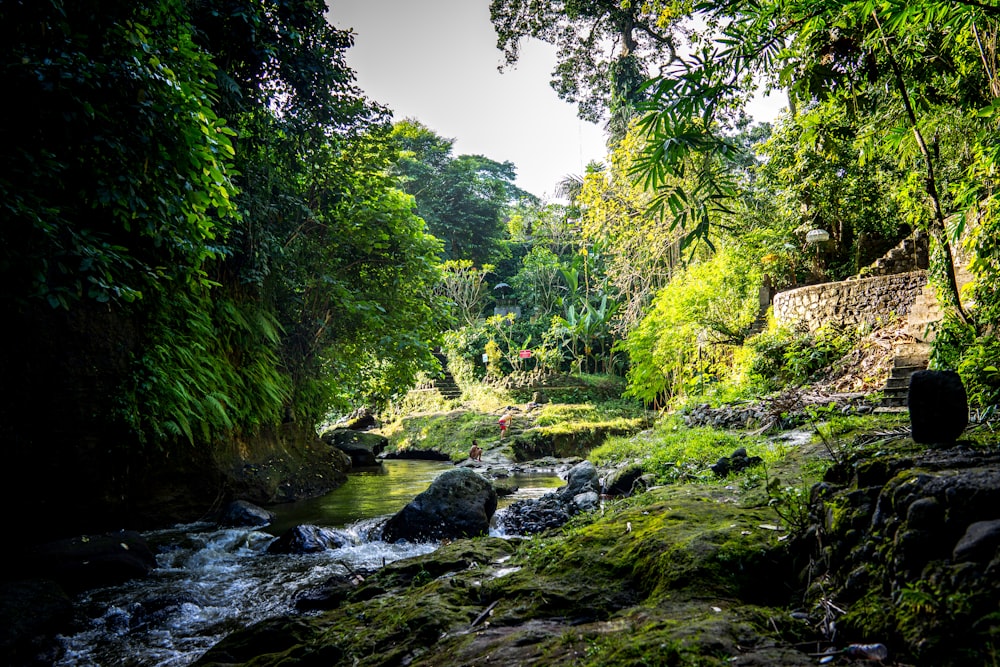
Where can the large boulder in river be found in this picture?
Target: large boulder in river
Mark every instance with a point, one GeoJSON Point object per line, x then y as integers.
{"type": "Point", "coordinates": [938, 405]}
{"type": "Point", "coordinates": [459, 503]}
{"type": "Point", "coordinates": [308, 539]}
{"type": "Point", "coordinates": [581, 478]}
{"type": "Point", "coordinates": [362, 447]}
{"type": "Point", "coordinates": [244, 514]}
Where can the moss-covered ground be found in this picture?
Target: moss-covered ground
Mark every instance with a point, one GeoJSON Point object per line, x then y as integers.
{"type": "Point", "coordinates": [696, 571]}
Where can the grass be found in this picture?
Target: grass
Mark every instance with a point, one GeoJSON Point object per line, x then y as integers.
{"type": "Point", "coordinates": [673, 452]}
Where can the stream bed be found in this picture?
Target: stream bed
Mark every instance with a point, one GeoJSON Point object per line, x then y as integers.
{"type": "Point", "coordinates": [212, 581]}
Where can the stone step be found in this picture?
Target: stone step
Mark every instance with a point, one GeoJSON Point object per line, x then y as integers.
{"type": "Point", "coordinates": [905, 371]}
{"type": "Point", "coordinates": [897, 384]}
{"type": "Point", "coordinates": [893, 402]}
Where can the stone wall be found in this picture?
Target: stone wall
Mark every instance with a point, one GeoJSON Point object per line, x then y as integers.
{"type": "Point", "coordinates": [850, 302]}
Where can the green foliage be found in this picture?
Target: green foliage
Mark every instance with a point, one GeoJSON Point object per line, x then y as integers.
{"type": "Point", "coordinates": [133, 188]}
{"type": "Point", "coordinates": [463, 199]}
{"type": "Point", "coordinates": [274, 276]}
{"type": "Point", "coordinates": [465, 288]}
{"type": "Point", "coordinates": [790, 503]}
{"type": "Point", "coordinates": [975, 358]}
{"type": "Point", "coordinates": [681, 343]}
{"type": "Point", "coordinates": [501, 338]}
{"type": "Point", "coordinates": [199, 379]}
{"type": "Point", "coordinates": [638, 254]}
{"type": "Point", "coordinates": [537, 283]}
{"type": "Point", "coordinates": [815, 178]}
{"type": "Point", "coordinates": [783, 357]}
{"type": "Point", "coordinates": [674, 453]}
{"type": "Point", "coordinates": [620, 37]}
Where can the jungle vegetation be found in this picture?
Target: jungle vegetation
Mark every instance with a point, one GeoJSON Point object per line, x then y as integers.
{"type": "Point", "coordinates": [208, 230]}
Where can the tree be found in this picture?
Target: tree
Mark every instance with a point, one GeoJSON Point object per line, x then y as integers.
{"type": "Point", "coordinates": [463, 199]}
{"type": "Point", "coordinates": [704, 308]}
{"type": "Point", "coordinates": [908, 74]}
{"type": "Point", "coordinates": [640, 252]}
{"type": "Point", "coordinates": [90, 211]}
{"type": "Point", "coordinates": [465, 287]}
{"type": "Point", "coordinates": [197, 279]}
{"type": "Point", "coordinates": [604, 46]}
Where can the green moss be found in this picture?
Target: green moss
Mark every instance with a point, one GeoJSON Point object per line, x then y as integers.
{"type": "Point", "coordinates": [553, 430]}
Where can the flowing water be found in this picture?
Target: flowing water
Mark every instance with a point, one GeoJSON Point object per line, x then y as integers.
{"type": "Point", "coordinates": [212, 581]}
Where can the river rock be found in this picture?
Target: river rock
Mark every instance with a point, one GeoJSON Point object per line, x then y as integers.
{"type": "Point", "coordinates": [307, 539]}
{"type": "Point", "coordinates": [244, 514]}
{"type": "Point", "coordinates": [362, 447]}
{"type": "Point", "coordinates": [459, 503]}
{"type": "Point", "coordinates": [30, 611]}
{"type": "Point", "coordinates": [581, 478]}
{"type": "Point", "coordinates": [622, 481]}
{"type": "Point", "coordinates": [527, 517]}
{"type": "Point", "coordinates": [91, 561]}
{"type": "Point", "coordinates": [361, 420]}
{"type": "Point", "coordinates": [938, 405]}
{"type": "Point", "coordinates": [736, 462]}
{"type": "Point", "coordinates": [979, 543]}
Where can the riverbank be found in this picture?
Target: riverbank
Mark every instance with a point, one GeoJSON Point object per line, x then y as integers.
{"type": "Point", "coordinates": [789, 563]}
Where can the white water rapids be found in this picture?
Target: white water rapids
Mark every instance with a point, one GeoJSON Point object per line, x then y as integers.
{"type": "Point", "coordinates": [211, 581]}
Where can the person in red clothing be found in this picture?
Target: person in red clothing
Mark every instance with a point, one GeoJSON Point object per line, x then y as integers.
{"type": "Point", "coordinates": [504, 423]}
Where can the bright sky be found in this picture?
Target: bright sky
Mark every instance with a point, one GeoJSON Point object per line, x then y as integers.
{"type": "Point", "coordinates": [436, 61]}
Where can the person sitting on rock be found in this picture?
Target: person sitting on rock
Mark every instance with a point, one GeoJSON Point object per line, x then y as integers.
{"type": "Point", "coordinates": [476, 453]}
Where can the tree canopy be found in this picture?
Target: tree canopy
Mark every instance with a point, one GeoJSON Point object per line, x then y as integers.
{"type": "Point", "coordinates": [604, 48]}
{"type": "Point", "coordinates": [209, 174]}
{"type": "Point", "coordinates": [464, 199]}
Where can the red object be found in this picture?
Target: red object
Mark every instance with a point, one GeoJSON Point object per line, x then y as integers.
{"type": "Point", "coordinates": [524, 354]}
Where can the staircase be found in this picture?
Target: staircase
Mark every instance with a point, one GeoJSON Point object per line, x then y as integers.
{"type": "Point", "coordinates": [445, 383]}
{"type": "Point", "coordinates": [921, 323]}
{"type": "Point", "coordinates": [909, 359]}
{"type": "Point", "coordinates": [924, 314]}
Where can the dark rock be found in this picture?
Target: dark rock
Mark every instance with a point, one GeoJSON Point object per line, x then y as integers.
{"type": "Point", "coordinates": [240, 513]}
{"type": "Point", "coordinates": [736, 462]}
{"type": "Point", "coordinates": [363, 448]}
{"type": "Point", "coordinates": [589, 500]}
{"type": "Point", "coordinates": [30, 612]}
{"type": "Point", "coordinates": [925, 514]}
{"type": "Point", "coordinates": [307, 539]}
{"type": "Point", "coordinates": [979, 543]}
{"type": "Point", "coordinates": [938, 405]}
{"type": "Point", "coordinates": [528, 517]}
{"type": "Point", "coordinates": [582, 478]}
{"type": "Point", "coordinates": [270, 638]}
{"type": "Point", "coordinates": [622, 481]}
{"type": "Point", "coordinates": [459, 503]}
{"type": "Point", "coordinates": [90, 561]}
{"type": "Point", "coordinates": [331, 594]}
{"type": "Point", "coordinates": [361, 420]}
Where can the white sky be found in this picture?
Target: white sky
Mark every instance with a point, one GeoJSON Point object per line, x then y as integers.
{"type": "Point", "coordinates": [436, 61]}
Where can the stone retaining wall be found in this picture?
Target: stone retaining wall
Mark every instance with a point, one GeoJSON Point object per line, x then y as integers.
{"type": "Point", "coordinates": [850, 302]}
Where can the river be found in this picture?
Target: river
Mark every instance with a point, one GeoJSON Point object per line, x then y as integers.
{"type": "Point", "coordinates": [212, 581]}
